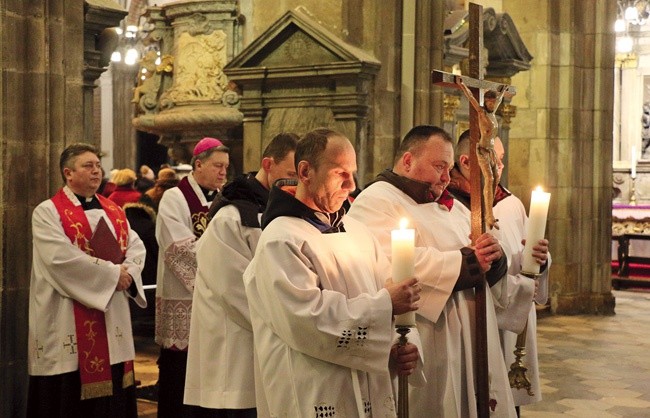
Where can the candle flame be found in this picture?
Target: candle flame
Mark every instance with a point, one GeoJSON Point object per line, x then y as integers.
{"type": "Point", "coordinates": [539, 189]}
{"type": "Point", "coordinates": [403, 223]}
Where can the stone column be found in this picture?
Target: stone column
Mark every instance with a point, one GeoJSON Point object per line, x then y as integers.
{"type": "Point", "coordinates": [98, 15]}
{"type": "Point", "coordinates": [41, 91]}
{"type": "Point", "coordinates": [506, 112]}
{"type": "Point", "coordinates": [564, 141]}
{"type": "Point", "coordinates": [429, 50]}
{"type": "Point", "coordinates": [124, 136]}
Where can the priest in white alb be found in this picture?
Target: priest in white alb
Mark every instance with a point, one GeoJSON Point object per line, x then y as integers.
{"type": "Point", "coordinates": [220, 374]}
{"type": "Point", "coordinates": [448, 267]}
{"type": "Point", "coordinates": [321, 309]}
{"type": "Point", "coordinates": [182, 219]}
{"type": "Point", "coordinates": [517, 310]}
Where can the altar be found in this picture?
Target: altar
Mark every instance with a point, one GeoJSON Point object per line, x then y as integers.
{"type": "Point", "coordinates": [630, 245]}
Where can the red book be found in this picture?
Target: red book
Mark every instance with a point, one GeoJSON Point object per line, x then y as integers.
{"type": "Point", "coordinates": [104, 244]}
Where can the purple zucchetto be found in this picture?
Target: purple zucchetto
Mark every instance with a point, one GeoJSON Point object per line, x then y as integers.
{"type": "Point", "coordinates": [205, 144]}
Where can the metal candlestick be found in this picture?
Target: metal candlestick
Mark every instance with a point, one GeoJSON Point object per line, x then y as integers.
{"type": "Point", "coordinates": [633, 193]}
{"type": "Point", "coordinates": [517, 373]}
{"type": "Point", "coordinates": [403, 381]}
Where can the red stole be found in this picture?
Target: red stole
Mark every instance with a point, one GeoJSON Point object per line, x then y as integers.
{"type": "Point", "coordinates": [198, 212]}
{"type": "Point", "coordinates": [90, 324]}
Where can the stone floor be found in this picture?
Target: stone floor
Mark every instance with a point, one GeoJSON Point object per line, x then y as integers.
{"type": "Point", "coordinates": [596, 366]}
{"type": "Point", "coordinates": [591, 366]}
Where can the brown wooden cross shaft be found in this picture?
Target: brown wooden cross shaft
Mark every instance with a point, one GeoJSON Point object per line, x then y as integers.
{"type": "Point", "coordinates": [475, 83]}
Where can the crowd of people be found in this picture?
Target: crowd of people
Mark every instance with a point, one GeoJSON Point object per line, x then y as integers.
{"type": "Point", "coordinates": [273, 291]}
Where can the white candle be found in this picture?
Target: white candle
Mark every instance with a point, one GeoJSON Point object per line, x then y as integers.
{"type": "Point", "coordinates": [535, 228]}
{"type": "Point", "coordinates": [403, 262]}
{"type": "Point", "coordinates": [633, 161]}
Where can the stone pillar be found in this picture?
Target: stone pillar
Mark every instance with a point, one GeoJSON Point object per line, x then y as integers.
{"type": "Point", "coordinates": [564, 141]}
{"type": "Point", "coordinates": [429, 44]}
{"type": "Point", "coordinates": [41, 91]}
{"type": "Point", "coordinates": [386, 40]}
{"type": "Point", "coordinates": [98, 15]}
{"type": "Point", "coordinates": [506, 112]}
{"type": "Point", "coordinates": [124, 136]}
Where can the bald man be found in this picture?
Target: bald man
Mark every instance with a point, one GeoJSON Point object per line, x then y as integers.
{"type": "Point", "coordinates": [321, 310]}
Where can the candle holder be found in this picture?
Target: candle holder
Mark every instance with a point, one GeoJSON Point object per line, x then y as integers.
{"type": "Point", "coordinates": [633, 192]}
{"type": "Point", "coordinates": [517, 373]}
{"type": "Point", "coordinates": [402, 381]}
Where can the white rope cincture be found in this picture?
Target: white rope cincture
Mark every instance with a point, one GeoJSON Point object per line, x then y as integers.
{"type": "Point", "coordinates": [357, 392]}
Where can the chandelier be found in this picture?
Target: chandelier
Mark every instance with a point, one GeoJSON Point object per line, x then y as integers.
{"type": "Point", "coordinates": [631, 12]}
{"type": "Point", "coordinates": [127, 48]}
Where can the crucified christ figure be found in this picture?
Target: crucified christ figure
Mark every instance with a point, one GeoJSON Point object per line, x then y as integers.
{"type": "Point", "coordinates": [487, 159]}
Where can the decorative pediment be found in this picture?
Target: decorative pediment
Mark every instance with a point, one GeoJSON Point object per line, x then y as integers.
{"type": "Point", "coordinates": [507, 54]}
{"type": "Point", "coordinates": [297, 76]}
{"type": "Point", "coordinates": [297, 40]}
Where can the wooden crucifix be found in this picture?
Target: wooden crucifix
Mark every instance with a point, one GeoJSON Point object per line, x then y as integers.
{"type": "Point", "coordinates": [475, 84]}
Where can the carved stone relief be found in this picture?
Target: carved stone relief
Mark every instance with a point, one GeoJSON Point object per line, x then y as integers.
{"type": "Point", "coordinates": [199, 72]}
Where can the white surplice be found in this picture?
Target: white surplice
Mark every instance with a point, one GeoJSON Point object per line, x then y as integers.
{"type": "Point", "coordinates": [176, 267]}
{"type": "Point", "coordinates": [220, 372]}
{"type": "Point", "coordinates": [63, 273]}
{"type": "Point", "coordinates": [445, 318]}
{"type": "Point", "coordinates": [320, 314]}
{"type": "Point", "coordinates": [511, 317]}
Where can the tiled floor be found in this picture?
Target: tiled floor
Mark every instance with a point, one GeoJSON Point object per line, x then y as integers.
{"type": "Point", "coordinates": [146, 371]}
{"type": "Point", "coordinates": [596, 366]}
{"type": "Point", "coordinates": [591, 366]}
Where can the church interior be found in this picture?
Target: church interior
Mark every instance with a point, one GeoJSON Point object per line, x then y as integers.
{"type": "Point", "coordinates": [144, 80]}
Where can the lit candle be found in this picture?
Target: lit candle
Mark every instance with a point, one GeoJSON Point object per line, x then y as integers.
{"type": "Point", "coordinates": [633, 160]}
{"type": "Point", "coordinates": [535, 228]}
{"type": "Point", "coordinates": [403, 261]}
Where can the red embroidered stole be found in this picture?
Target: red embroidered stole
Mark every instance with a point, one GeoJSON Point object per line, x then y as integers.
{"type": "Point", "coordinates": [198, 212]}
{"type": "Point", "coordinates": [90, 324]}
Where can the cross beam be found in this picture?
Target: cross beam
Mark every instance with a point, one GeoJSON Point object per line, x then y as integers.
{"type": "Point", "coordinates": [444, 79]}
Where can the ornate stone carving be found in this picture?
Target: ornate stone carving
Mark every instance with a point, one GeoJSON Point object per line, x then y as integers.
{"type": "Point", "coordinates": [507, 52]}
{"type": "Point", "coordinates": [198, 99]}
{"type": "Point", "coordinates": [297, 76]}
{"type": "Point", "coordinates": [507, 112]}
{"type": "Point", "coordinates": [630, 226]}
{"type": "Point", "coordinates": [199, 70]}
{"type": "Point", "coordinates": [145, 95]}
{"type": "Point", "coordinates": [450, 104]}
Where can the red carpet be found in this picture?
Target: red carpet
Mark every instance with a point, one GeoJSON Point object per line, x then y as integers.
{"type": "Point", "coordinates": [638, 277]}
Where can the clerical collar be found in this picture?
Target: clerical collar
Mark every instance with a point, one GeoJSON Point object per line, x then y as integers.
{"type": "Point", "coordinates": [416, 190]}
{"type": "Point", "coordinates": [209, 194]}
{"type": "Point", "coordinates": [282, 202]}
{"type": "Point", "coordinates": [247, 195]}
{"type": "Point", "coordinates": [88, 203]}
